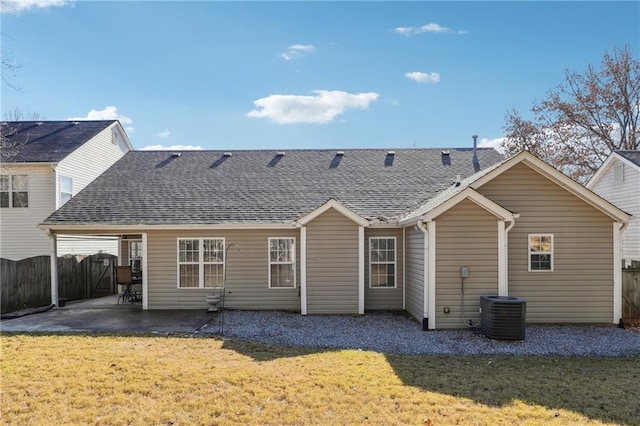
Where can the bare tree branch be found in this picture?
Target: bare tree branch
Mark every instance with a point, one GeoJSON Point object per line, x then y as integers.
{"type": "Point", "coordinates": [584, 118]}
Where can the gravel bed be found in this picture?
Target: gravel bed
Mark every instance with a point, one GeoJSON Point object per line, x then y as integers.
{"type": "Point", "coordinates": [396, 334]}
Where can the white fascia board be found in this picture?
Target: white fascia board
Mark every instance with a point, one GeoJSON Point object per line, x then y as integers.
{"type": "Point", "coordinates": [476, 198]}
{"type": "Point", "coordinates": [123, 133]}
{"type": "Point", "coordinates": [560, 179]}
{"type": "Point", "coordinates": [339, 207]}
{"type": "Point", "coordinates": [601, 170]}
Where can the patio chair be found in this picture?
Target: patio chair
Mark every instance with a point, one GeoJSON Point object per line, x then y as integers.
{"type": "Point", "coordinates": [125, 278]}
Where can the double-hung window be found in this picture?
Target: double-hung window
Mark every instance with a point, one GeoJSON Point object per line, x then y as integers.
{"type": "Point", "coordinates": [540, 252]}
{"type": "Point", "coordinates": [382, 262]}
{"type": "Point", "coordinates": [66, 189]}
{"type": "Point", "coordinates": [201, 262]}
{"type": "Point", "coordinates": [14, 190]}
{"type": "Point", "coordinates": [282, 263]}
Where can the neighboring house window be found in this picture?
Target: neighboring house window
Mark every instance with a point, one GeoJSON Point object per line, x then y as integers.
{"type": "Point", "coordinates": [200, 262]}
{"type": "Point", "coordinates": [382, 262]}
{"type": "Point", "coordinates": [540, 252]}
{"type": "Point", "coordinates": [282, 263]}
{"type": "Point", "coordinates": [14, 191]}
{"type": "Point", "coordinates": [66, 189]}
{"type": "Point", "coordinates": [618, 173]}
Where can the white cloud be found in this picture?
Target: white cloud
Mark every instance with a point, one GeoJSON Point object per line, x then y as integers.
{"type": "Point", "coordinates": [492, 143]}
{"type": "Point", "coordinates": [17, 6]}
{"type": "Point", "coordinates": [296, 50]}
{"type": "Point", "coordinates": [319, 109]}
{"type": "Point", "coordinates": [108, 113]}
{"type": "Point", "coordinates": [423, 77]}
{"type": "Point", "coordinates": [130, 129]}
{"type": "Point", "coordinates": [172, 148]}
{"type": "Point", "coordinates": [427, 28]}
{"type": "Point", "coordinates": [164, 134]}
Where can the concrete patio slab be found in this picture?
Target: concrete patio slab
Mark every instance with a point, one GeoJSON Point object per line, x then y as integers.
{"type": "Point", "coordinates": [87, 320]}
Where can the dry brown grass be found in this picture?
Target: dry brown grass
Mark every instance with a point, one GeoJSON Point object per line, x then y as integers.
{"type": "Point", "coordinates": [153, 380]}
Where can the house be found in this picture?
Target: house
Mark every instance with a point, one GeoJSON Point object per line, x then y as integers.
{"type": "Point", "coordinates": [618, 180]}
{"type": "Point", "coordinates": [345, 232]}
{"type": "Point", "coordinates": [43, 165]}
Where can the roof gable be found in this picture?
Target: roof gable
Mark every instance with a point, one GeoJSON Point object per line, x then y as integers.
{"type": "Point", "coordinates": [444, 199]}
{"type": "Point", "coordinates": [47, 141]}
{"type": "Point", "coordinates": [573, 187]}
{"type": "Point", "coordinates": [337, 206]}
{"type": "Point", "coordinates": [630, 158]}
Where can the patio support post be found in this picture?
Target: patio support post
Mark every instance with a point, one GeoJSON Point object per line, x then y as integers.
{"type": "Point", "coordinates": [54, 269]}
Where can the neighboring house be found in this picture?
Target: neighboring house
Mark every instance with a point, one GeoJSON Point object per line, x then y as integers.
{"type": "Point", "coordinates": [43, 165]}
{"type": "Point", "coordinates": [618, 180]}
{"type": "Point", "coordinates": [345, 232]}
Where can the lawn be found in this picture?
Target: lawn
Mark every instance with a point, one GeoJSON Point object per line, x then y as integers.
{"type": "Point", "coordinates": [166, 380]}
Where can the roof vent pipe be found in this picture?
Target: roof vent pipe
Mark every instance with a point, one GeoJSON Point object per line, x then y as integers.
{"type": "Point", "coordinates": [475, 160]}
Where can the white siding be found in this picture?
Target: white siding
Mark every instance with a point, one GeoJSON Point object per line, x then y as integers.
{"type": "Point", "coordinates": [625, 195]}
{"type": "Point", "coordinates": [415, 270]}
{"type": "Point", "coordinates": [87, 245]}
{"type": "Point", "coordinates": [90, 160]}
{"type": "Point", "coordinates": [83, 166]}
{"type": "Point", "coordinates": [20, 236]}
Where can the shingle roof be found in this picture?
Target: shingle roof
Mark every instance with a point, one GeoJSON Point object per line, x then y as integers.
{"type": "Point", "coordinates": [207, 187]}
{"type": "Point", "coordinates": [45, 141]}
{"type": "Point", "coordinates": [633, 156]}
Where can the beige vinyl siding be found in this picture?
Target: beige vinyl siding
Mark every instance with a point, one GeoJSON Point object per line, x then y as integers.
{"type": "Point", "coordinates": [332, 265]}
{"type": "Point", "coordinates": [384, 298]}
{"type": "Point", "coordinates": [625, 195]}
{"type": "Point", "coordinates": [580, 289]}
{"type": "Point", "coordinates": [20, 236]}
{"type": "Point", "coordinates": [247, 272]}
{"type": "Point", "coordinates": [466, 235]}
{"type": "Point", "coordinates": [415, 271]}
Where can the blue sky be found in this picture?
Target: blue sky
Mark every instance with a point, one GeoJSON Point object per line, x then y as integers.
{"type": "Point", "coordinates": [268, 75]}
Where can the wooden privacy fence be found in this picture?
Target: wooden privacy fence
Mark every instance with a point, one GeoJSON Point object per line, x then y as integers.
{"type": "Point", "coordinates": [631, 293]}
{"type": "Point", "coordinates": [26, 283]}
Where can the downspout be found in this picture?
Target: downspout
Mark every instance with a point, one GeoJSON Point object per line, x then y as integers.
{"type": "Point", "coordinates": [506, 254]}
{"type": "Point", "coordinates": [618, 227]}
{"type": "Point", "coordinates": [425, 284]}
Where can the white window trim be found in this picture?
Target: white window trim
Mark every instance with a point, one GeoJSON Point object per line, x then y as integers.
{"type": "Point", "coordinates": [293, 262]}
{"type": "Point", "coordinates": [63, 192]}
{"type": "Point", "coordinates": [201, 262]}
{"type": "Point", "coordinates": [11, 191]}
{"type": "Point", "coordinates": [394, 263]}
{"type": "Point", "coordinates": [552, 252]}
